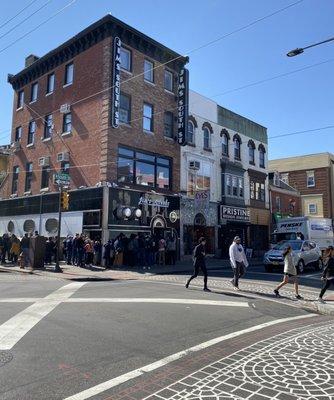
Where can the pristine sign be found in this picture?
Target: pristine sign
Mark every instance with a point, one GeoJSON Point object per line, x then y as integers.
{"type": "Point", "coordinates": [182, 106]}
{"type": "Point", "coordinates": [116, 93]}
{"type": "Point", "coordinates": [148, 201]}
{"type": "Point", "coordinates": [235, 213]}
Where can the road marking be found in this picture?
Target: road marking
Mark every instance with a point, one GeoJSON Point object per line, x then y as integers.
{"type": "Point", "coordinates": [102, 387]}
{"type": "Point", "coordinates": [15, 328]}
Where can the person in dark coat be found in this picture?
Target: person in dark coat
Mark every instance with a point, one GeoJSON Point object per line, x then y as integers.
{"type": "Point", "coordinates": [328, 274]}
{"type": "Point", "coordinates": [49, 248]}
{"type": "Point", "coordinates": [199, 263]}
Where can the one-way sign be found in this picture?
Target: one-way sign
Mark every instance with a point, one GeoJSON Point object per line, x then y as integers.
{"type": "Point", "coordinates": [61, 178]}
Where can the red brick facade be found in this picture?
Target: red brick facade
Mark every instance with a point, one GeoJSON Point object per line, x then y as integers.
{"type": "Point", "coordinates": [93, 143]}
{"type": "Point", "coordinates": [288, 203]}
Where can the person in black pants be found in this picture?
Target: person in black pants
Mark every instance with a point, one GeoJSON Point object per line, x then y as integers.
{"type": "Point", "coordinates": [328, 274]}
{"type": "Point", "coordinates": [199, 263]}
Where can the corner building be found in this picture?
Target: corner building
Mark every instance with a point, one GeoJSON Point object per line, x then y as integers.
{"type": "Point", "coordinates": [62, 122]}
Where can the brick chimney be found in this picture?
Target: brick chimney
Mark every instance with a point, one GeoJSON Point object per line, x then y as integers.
{"type": "Point", "coordinates": [30, 60]}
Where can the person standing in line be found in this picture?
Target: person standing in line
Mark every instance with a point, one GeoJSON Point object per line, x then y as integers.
{"type": "Point", "coordinates": [25, 244]}
{"type": "Point", "coordinates": [171, 250]}
{"type": "Point", "coordinates": [89, 252]}
{"type": "Point", "coordinates": [199, 264]}
{"type": "Point", "coordinates": [69, 249]}
{"type": "Point", "coordinates": [290, 271]}
{"type": "Point", "coordinates": [15, 249]}
{"type": "Point", "coordinates": [328, 274]}
{"type": "Point", "coordinates": [238, 261]}
{"type": "Point", "coordinates": [162, 252]}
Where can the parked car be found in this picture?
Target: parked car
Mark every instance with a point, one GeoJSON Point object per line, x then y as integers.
{"type": "Point", "coordinates": [305, 254]}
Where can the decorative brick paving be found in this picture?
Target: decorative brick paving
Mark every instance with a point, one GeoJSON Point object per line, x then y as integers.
{"type": "Point", "coordinates": [296, 365]}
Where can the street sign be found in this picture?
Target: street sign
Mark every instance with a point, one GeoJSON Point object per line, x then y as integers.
{"type": "Point", "coordinates": [61, 178]}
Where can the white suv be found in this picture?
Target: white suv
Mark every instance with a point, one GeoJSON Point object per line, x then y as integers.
{"type": "Point", "coordinates": [305, 254]}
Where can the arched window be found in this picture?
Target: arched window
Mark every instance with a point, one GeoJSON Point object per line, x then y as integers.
{"type": "Point", "coordinates": [237, 147]}
{"type": "Point", "coordinates": [251, 152]}
{"type": "Point", "coordinates": [190, 133]}
{"type": "Point", "coordinates": [207, 138]}
{"type": "Point", "coordinates": [224, 144]}
{"type": "Point", "coordinates": [262, 158]}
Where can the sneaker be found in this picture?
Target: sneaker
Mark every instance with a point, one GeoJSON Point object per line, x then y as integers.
{"type": "Point", "coordinates": [277, 293]}
{"type": "Point", "coordinates": [299, 297]}
{"type": "Point", "coordinates": [236, 288]}
{"type": "Point", "coordinates": [206, 289]}
{"type": "Point", "coordinates": [321, 300]}
{"type": "Point", "coordinates": [187, 285]}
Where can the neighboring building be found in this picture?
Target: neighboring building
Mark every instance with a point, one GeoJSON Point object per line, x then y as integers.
{"type": "Point", "coordinates": [4, 159]}
{"type": "Point", "coordinates": [313, 176]}
{"type": "Point", "coordinates": [232, 154]}
{"type": "Point", "coordinates": [63, 121]}
{"type": "Point", "coordinates": [285, 201]}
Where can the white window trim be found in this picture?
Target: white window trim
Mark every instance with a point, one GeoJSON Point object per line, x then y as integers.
{"type": "Point", "coordinates": [315, 208]}
{"type": "Point", "coordinates": [128, 51]}
{"type": "Point", "coordinates": [310, 174]}
{"type": "Point", "coordinates": [151, 70]}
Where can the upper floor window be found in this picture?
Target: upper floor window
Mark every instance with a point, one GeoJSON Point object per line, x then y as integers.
{"type": "Point", "coordinates": [67, 122]}
{"type": "Point", "coordinates": [148, 71]}
{"type": "Point", "coordinates": [18, 134]}
{"type": "Point", "coordinates": [190, 133]}
{"type": "Point", "coordinates": [31, 132]}
{"type": "Point", "coordinates": [125, 109]}
{"type": "Point", "coordinates": [125, 59]}
{"type": "Point", "coordinates": [65, 167]}
{"type": "Point", "coordinates": [34, 92]}
{"type": "Point", "coordinates": [310, 179]}
{"type": "Point", "coordinates": [237, 147]}
{"type": "Point", "coordinates": [206, 138]}
{"type": "Point", "coordinates": [20, 99]}
{"type": "Point", "coordinates": [199, 180]}
{"type": "Point", "coordinates": [168, 80]}
{"type": "Point", "coordinates": [169, 124]}
{"type": "Point", "coordinates": [15, 179]}
{"type": "Point", "coordinates": [251, 152]}
{"type": "Point", "coordinates": [312, 208]}
{"type": "Point", "coordinates": [48, 125]}
{"type": "Point", "coordinates": [69, 73]}
{"type": "Point", "coordinates": [285, 178]}
{"type": "Point", "coordinates": [45, 178]}
{"type": "Point", "coordinates": [233, 185]}
{"type": "Point", "coordinates": [224, 144]}
{"type": "Point", "coordinates": [262, 161]}
{"type": "Point", "coordinates": [148, 117]}
{"type": "Point", "coordinates": [27, 185]}
{"type": "Point", "coordinates": [50, 85]}
{"type": "Point", "coordinates": [278, 203]}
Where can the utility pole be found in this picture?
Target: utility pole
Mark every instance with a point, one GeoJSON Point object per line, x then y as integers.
{"type": "Point", "coordinates": [57, 267]}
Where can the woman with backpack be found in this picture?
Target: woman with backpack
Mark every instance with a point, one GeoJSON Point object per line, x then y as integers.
{"type": "Point", "coordinates": [328, 274]}
{"type": "Point", "coordinates": [199, 263]}
{"type": "Point", "coordinates": [290, 271]}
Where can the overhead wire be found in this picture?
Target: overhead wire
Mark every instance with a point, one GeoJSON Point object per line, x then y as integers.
{"type": "Point", "coordinates": [17, 14]}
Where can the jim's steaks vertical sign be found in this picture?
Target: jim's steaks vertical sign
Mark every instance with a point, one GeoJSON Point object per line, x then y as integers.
{"type": "Point", "coordinates": [116, 89]}
{"type": "Point", "coordinates": [182, 106]}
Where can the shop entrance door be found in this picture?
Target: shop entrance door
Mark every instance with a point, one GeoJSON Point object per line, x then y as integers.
{"type": "Point", "coordinates": [228, 233]}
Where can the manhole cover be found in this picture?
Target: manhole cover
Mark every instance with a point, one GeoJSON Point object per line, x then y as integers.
{"type": "Point", "coordinates": [5, 357]}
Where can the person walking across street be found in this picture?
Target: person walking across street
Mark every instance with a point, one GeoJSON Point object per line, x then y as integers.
{"type": "Point", "coordinates": [328, 274]}
{"type": "Point", "coordinates": [290, 271]}
{"type": "Point", "coordinates": [238, 261]}
{"type": "Point", "coordinates": [199, 264]}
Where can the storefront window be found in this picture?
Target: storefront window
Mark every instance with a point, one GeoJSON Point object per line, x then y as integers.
{"type": "Point", "coordinates": [143, 169]}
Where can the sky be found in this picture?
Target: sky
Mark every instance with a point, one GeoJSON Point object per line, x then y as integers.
{"type": "Point", "coordinates": [296, 102]}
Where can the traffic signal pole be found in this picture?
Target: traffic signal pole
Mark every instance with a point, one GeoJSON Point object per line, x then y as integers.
{"type": "Point", "coordinates": [57, 266]}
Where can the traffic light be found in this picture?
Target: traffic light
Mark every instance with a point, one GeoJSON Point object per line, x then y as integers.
{"type": "Point", "coordinates": [65, 201]}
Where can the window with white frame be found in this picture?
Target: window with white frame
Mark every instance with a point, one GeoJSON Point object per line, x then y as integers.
{"type": "Point", "coordinates": [50, 85]}
{"type": "Point", "coordinates": [262, 158]}
{"type": "Point", "coordinates": [67, 123]}
{"type": "Point", "coordinates": [237, 148]}
{"type": "Point", "coordinates": [148, 71]}
{"type": "Point", "coordinates": [20, 99]}
{"type": "Point", "coordinates": [199, 180]}
{"type": "Point", "coordinates": [285, 178]}
{"type": "Point", "coordinates": [234, 185]}
{"type": "Point", "coordinates": [190, 133]}
{"type": "Point", "coordinates": [206, 138]}
{"type": "Point", "coordinates": [48, 125]}
{"type": "Point", "coordinates": [34, 92]}
{"type": "Point", "coordinates": [69, 74]}
{"type": "Point", "coordinates": [31, 132]}
{"type": "Point", "coordinates": [310, 179]}
{"type": "Point", "coordinates": [312, 208]}
{"type": "Point", "coordinates": [168, 80]}
{"type": "Point", "coordinates": [125, 59]}
{"type": "Point", "coordinates": [148, 117]}
{"type": "Point", "coordinates": [251, 152]}
{"type": "Point", "coordinates": [18, 134]}
{"type": "Point", "coordinates": [15, 179]}
{"type": "Point", "coordinates": [225, 144]}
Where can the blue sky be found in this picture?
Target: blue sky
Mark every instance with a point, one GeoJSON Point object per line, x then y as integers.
{"type": "Point", "coordinates": [297, 102]}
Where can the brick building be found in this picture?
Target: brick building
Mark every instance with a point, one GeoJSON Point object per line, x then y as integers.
{"type": "Point", "coordinates": [313, 177]}
{"type": "Point", "coordinates": [62, 122]}
{"type": "Point", "coordinates": [4, 158]}
{"type": "Point", "coordinates": [285, 201]}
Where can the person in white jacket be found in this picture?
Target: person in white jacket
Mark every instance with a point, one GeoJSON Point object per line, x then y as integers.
{"type": "Point", "coordinates": [238, 261]}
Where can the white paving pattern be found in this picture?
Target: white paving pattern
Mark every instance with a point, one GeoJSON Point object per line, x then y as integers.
{"type": "Point", "coordinates": [297, 365]}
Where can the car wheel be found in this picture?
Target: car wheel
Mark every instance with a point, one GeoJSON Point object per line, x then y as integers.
{"type": "Point", "coordinates": [319, 265]}
{"type": "Point", "coordinates": [268, 268]}
{"type": "Point", "coordinates": [300, 267]}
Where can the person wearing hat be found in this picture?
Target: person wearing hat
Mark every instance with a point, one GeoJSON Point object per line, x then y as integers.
{"type": "Point", "coordinates": [238, 261]}
{"type": "Point", "coordinates": [328, 274]}
{"type": "Point", "coordinates": [199, 263]}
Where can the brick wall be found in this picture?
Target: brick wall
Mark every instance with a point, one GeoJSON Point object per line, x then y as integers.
{"type": "Point", "coordinates": [285, 200]}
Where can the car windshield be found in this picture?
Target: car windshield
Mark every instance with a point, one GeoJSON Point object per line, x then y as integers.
{"type": "Point", "coordinates": [295, 245]}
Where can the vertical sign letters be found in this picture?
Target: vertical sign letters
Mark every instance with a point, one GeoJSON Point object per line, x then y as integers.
{"type": "Point", "coordinates": [116, 94]}
{"type": "Point", "coordinates": [182, 106]}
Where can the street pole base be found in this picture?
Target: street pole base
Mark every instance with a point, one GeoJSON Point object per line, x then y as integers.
{"type": "Point", "coordinates": [58, 269]}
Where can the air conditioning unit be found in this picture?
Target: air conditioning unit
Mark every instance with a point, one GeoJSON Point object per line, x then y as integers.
{"type": "Point", "coordinates": [64, 156]}
{"type": "Point", "coordinates": [65, 108]}
{"type": "Point", "coordinates": [44, 162]}
{"type": "Point", "coordinates": [194, 165]}
{"type": "Point", "coordinates": [16, 146]}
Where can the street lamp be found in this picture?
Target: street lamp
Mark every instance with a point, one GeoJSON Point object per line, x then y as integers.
{"type": "Point", "coordinates": [299, 50]}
